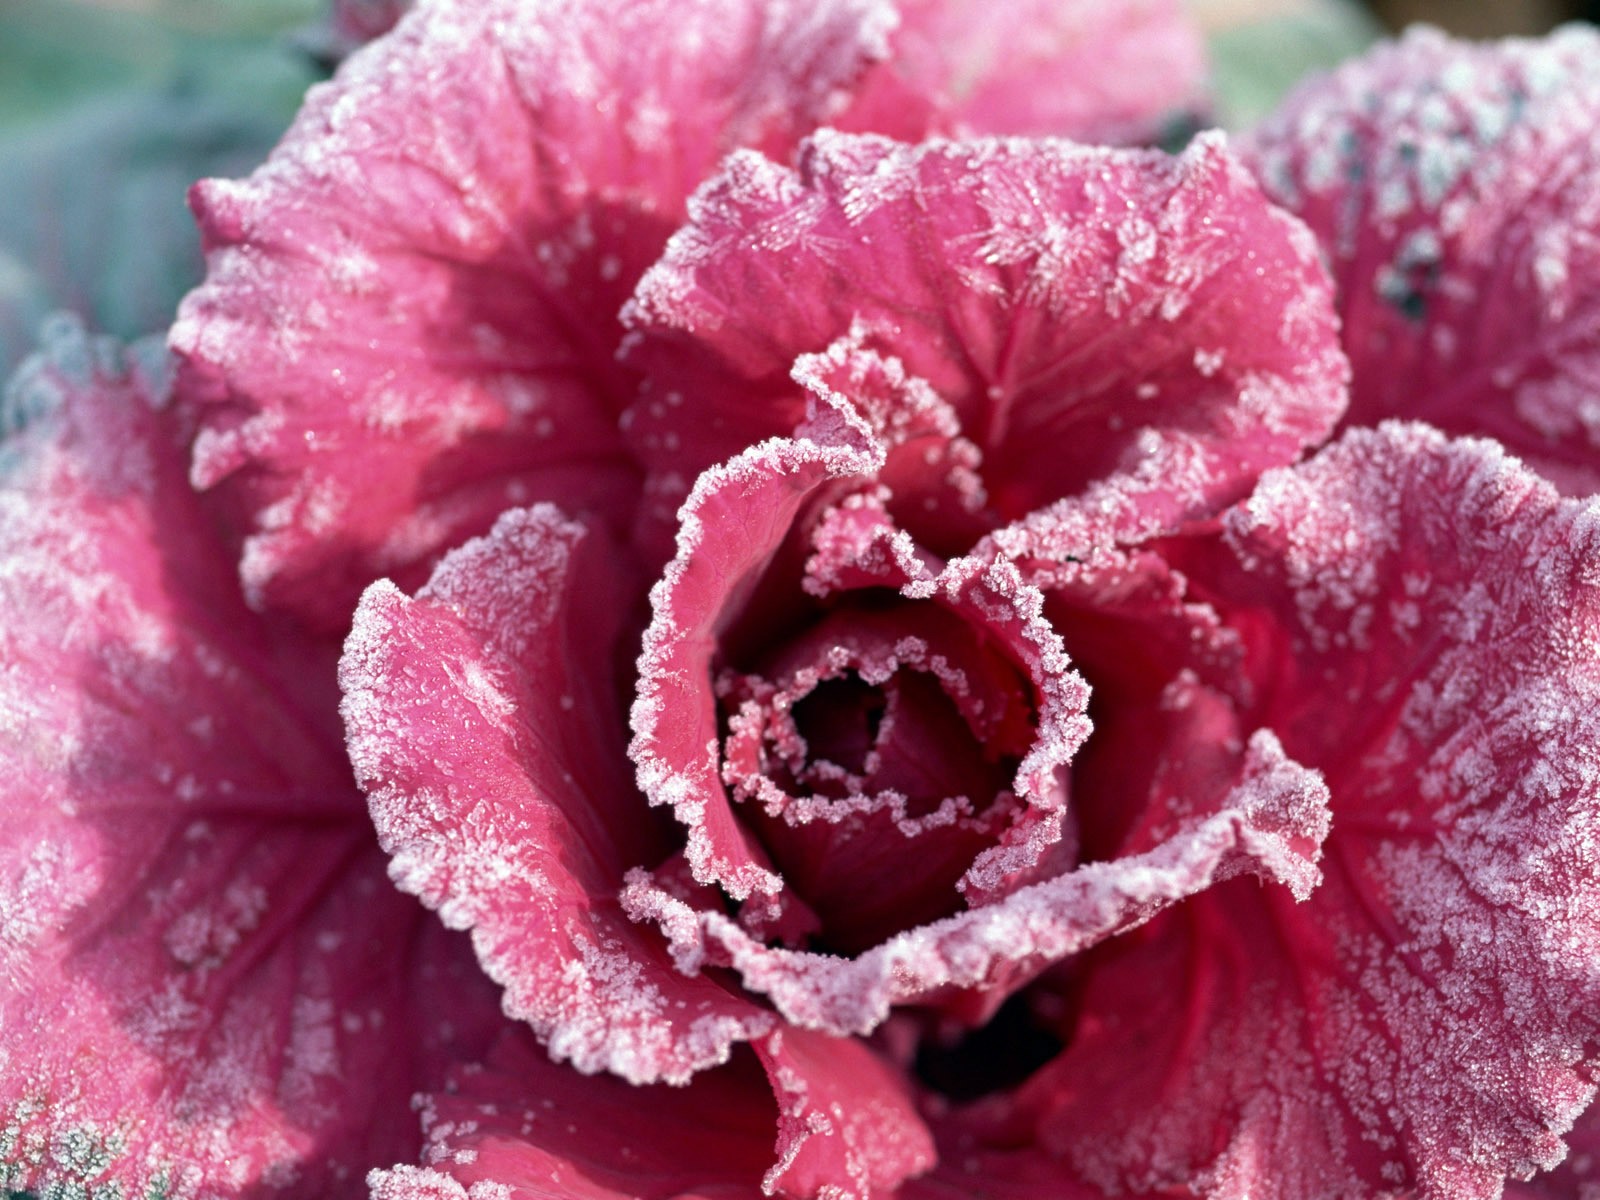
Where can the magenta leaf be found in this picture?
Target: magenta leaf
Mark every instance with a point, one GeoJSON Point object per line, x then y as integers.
{"type": "Point", "coordinates": [409, 315]}
{"type": "Point", "coordinates": [1452, 186]}
{"type": "Point", "coordinates": [524, 1123]}
{"type": "Point", "coordinates": [1578, 1172]}
{"type": "Point", "coordinates": [483, 728]}
{"type": "Point", "coordinates": [841, 1118]}
{"type": "Point", "coordinates": [1100, 321]}
{"type": "Point", "coordinates": [211, 988]}
{"type": "Point", "coordinates": [1131, 72]}
{"type": "Point", "coordinates": [846, 1122]}
{"type": "Point", "coordinates": [1421, 616]}
{"type": "Point", "coordinates": [735, 524]}
{"type": "Point", "coordinates": [1266, 816]}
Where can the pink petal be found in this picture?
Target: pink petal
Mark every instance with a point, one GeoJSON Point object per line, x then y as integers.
{"type": "Point", "coordinates": [1578, 1173]}
{"type": "Point", "coordinates": [1101, 321]}
{"type": "Point", "coordinates": [738, 519]}
{"type": "Point", "coordinates": [1453, 187]}
{"type": "Point", "coordinates": [1127, 72]}
{"type": "Point", "coordinates": [539, 1129]}
{"type": "Point", "coordinates": [719, 593]}
{"type": "Point", "coordinates": [210, 987]}
{"type": "Point", "coordinates": [846, 1123]}
{"type": "Point", "coordinates": [409, 318]}
{"type": "Point", "coordinates": [736, 583]}
{"type": "Point", "coordinates": [1421, 623]}
{"type": "Point", "coordinates": [1270, 823]}
{"type": "Point", "coordinates": [1164, 671]}
{"type": "Point", "coordinates": [858, 548]}
{"type": "Point", "coordinates": [485, 728]}
{"type": "Point", "coordinates": [931, 472]}
{"type": "Point", "coordinates": [925, 786]}
{"type": "Point", "coordinates": [842, 1121]}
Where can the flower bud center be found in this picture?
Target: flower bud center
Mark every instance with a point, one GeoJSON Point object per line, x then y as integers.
{"type": "Point", "coordinates": [859, 743]}
{"type": "Point", "coordinates": [839, 721]}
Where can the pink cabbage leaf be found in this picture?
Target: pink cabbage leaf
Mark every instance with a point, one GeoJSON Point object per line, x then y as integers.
{"type": "Point", "coordinates": [210, 986]}
{"type": "Point", "coordinates": [1453, 187]}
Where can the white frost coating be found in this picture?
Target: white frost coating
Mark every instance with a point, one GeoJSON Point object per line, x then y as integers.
{"type": "Point", "coordinates": [492, 859]}
{"type": "Point", "coordinates": [991, 593]}
{"type": "Point", "coordinates": [1055, 247]}
{"type": "Point", "coordinates": [882, 402]}
{"type": "Point", "coordinates": [764, 730]}
{"type": "Point", "coordinates": [53, 882]}
{"type": "Point", "coordinates": [1444, 585]}
{"type": "Point", "coordinates": [1441, 110]}
{"type": "Point", "coordinates": [162, 900]}
{"type": "Point", "coordinates": [405, 1182]}
{"type": "Point", "coordinates": [330, 332]}
{"type": "Point", "coordinates": [868, 1130]}
{"type": "Point", "coordinates": [1454, 187]}
{"type": "Point", "coordinates": [1272, 823]}
{"type": "Point", "coordinates": [667, 294]}
{"type": "Point", "coordinates": [768, 483]}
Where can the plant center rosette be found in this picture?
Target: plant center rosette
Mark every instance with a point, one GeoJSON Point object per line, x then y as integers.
{"type": "Point", "coordinates": [917, 504]}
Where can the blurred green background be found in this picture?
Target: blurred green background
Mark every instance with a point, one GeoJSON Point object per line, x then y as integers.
{"type": "Point", "coordinates": [108, 111]}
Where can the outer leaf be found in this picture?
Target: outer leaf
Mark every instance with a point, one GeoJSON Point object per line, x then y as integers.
{"type": "Point", "coordinates": [409, 317]}
{"type": "Point", "coordinates": [1422, 619]}
{"type": "Point", "coordinates": [1139, 333]}
{"type": "Point", "coordinates": [1133, 71]}
{"type": "Point", "coordinates": [197, 946]}
{"type": "Point", "coordinates": [523, 1127]}
{"type": "Point", "coordinates": [483, 726]}
{"type": "Point", "coordinates": [1128, 72]}
{"type": "Point", "coordinates": [1454, 188]}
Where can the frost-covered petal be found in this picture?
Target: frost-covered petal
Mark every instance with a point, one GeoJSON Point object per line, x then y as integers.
{"type": "Point", "coordinates": [1578, 1173]}
{"type": "Point", "coordinates": [1260, 812]}
{"type": "Point", "coordinates": [522, 1125]}
{"type": "Point", "coordinates": [842, 1126]}
{"type": "Point", "coordinates": [858, 548]}
{"type": "Point", "coordinates": [774, 554]}
{"type": "Point", "coordinates": [1126, 72]}
{"type": "Point", "coordinates": [847, 1125]}
{"type": "Point", "coordinates": [893, 735]}
{"type": "Point", "coordinates": [410, 313]}
{"type": "Point", "coordinates": [207, 987]}
{"type": "Point", "coordinates": [1270, 822]}
{"type": "Point", "coordinates": [485, 727]}
{"type": "Point", "coordinates": [740, 515]}
{"type": "Point", "coordinates": [930, 477]}
{"type": "Point", "coordinates": [1422, 625]}
{"type": "Point", "coordinates": [1101, 321]}
{"type": "Point", "coordinates": [1455, 188]}
{"type": "Point", "coordinates": [1165, 673]}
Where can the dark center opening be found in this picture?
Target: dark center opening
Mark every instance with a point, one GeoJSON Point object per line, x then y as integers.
{"type": "Point", "coordinates": [839, 719]}
{"type": "Point", "coordinates": [995, 1057]}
